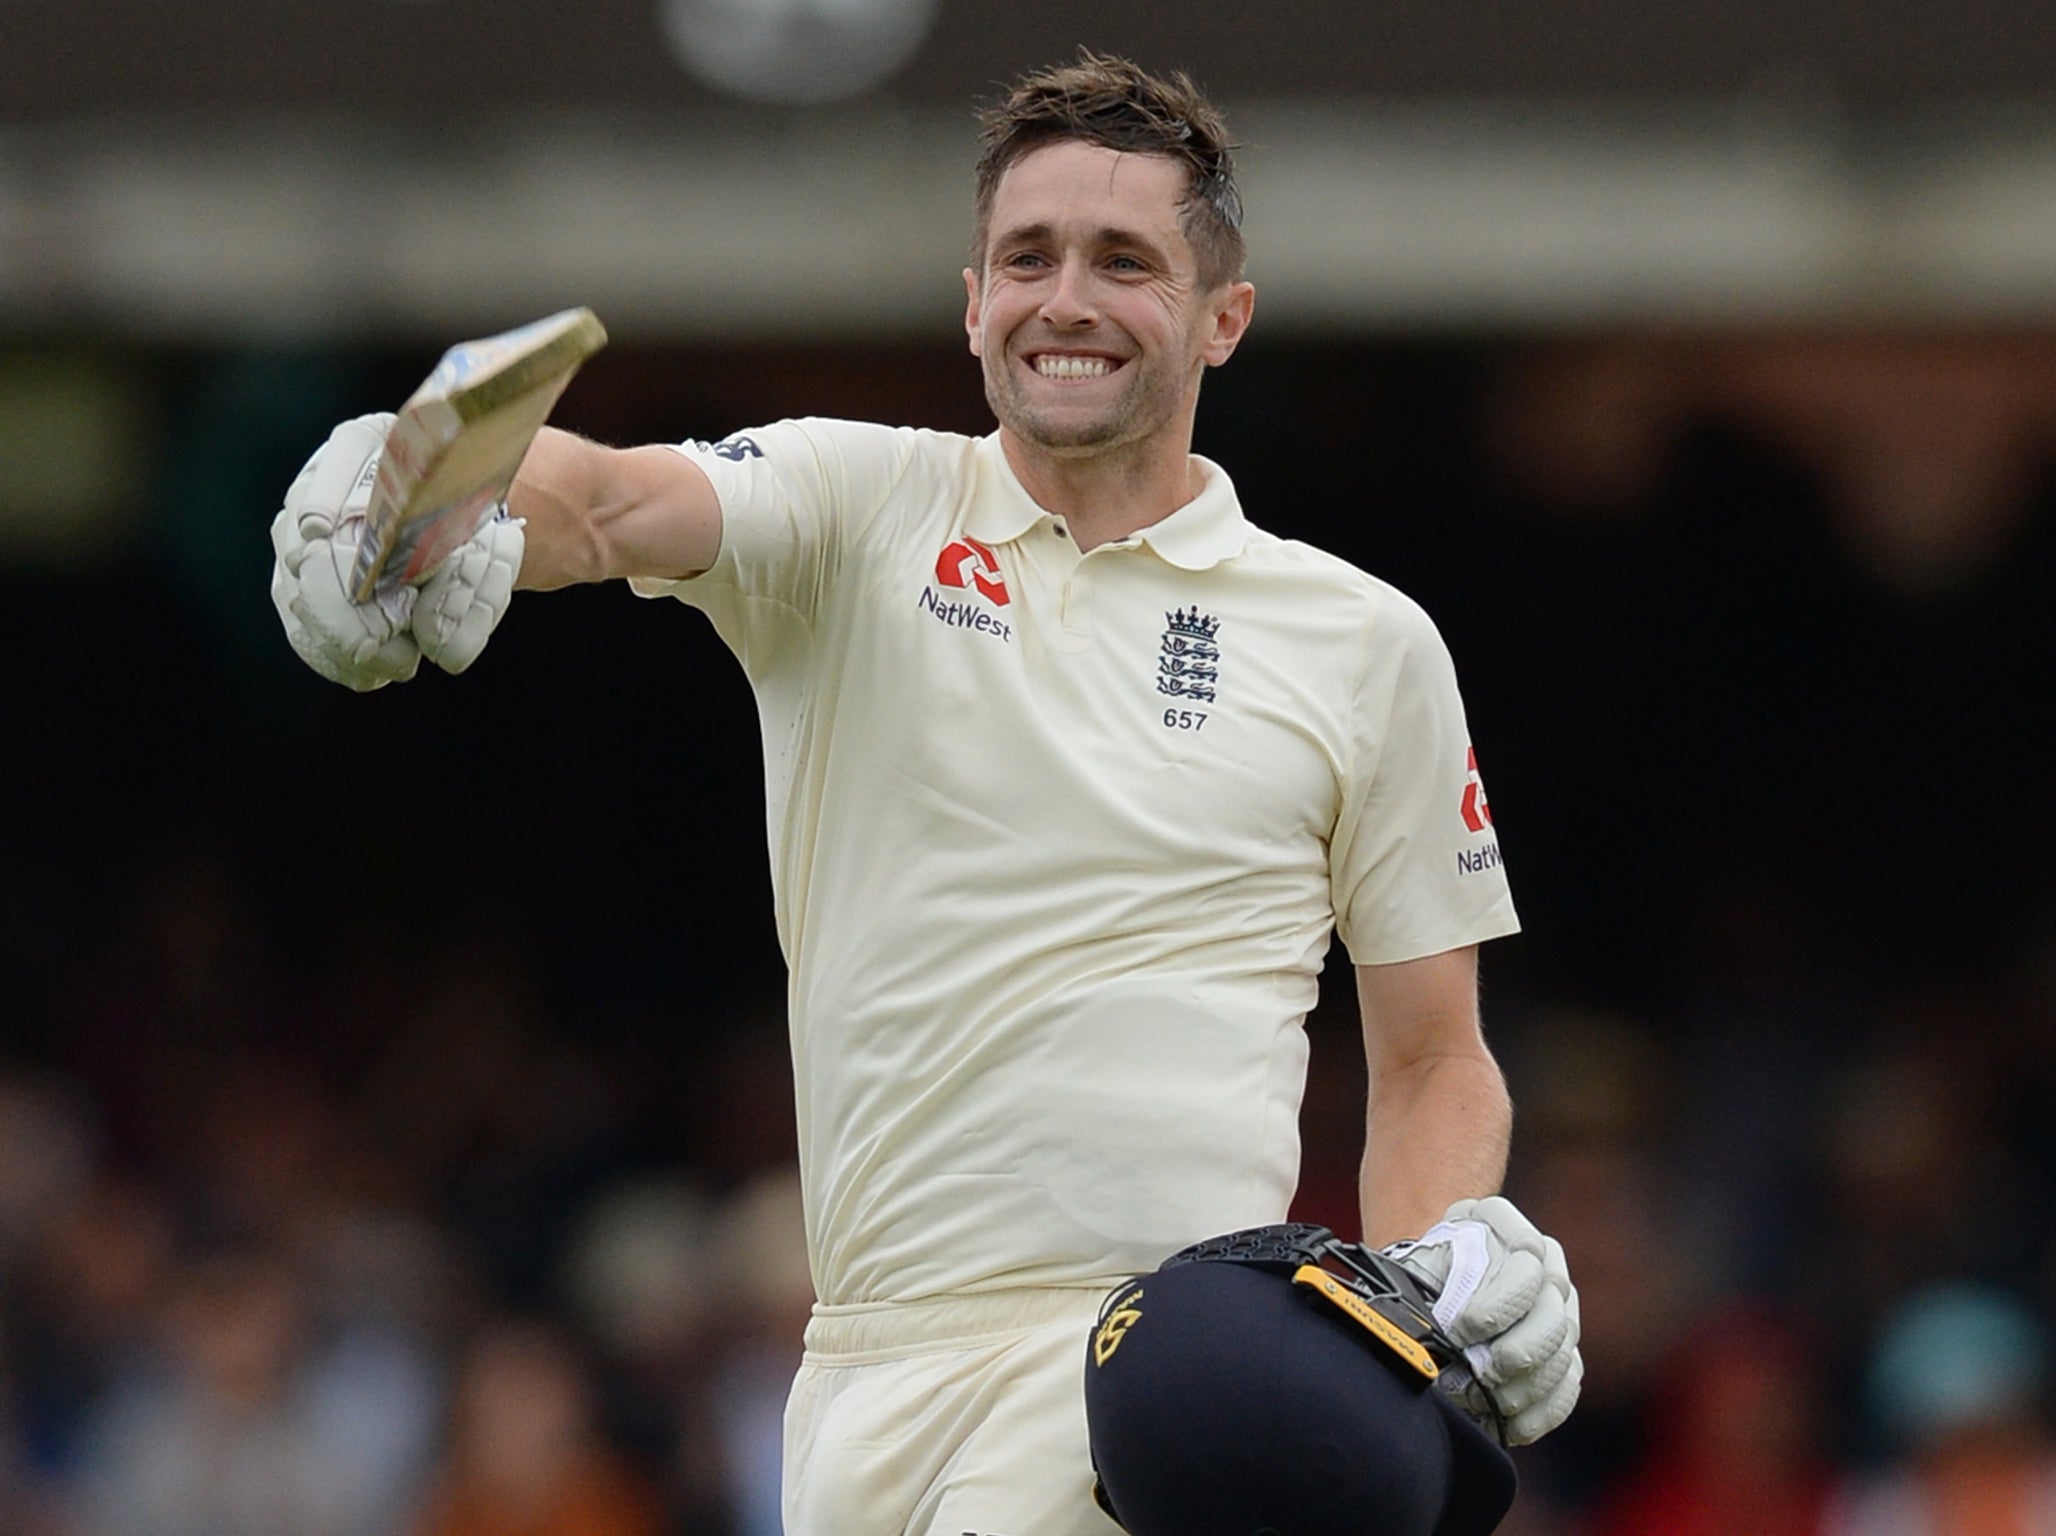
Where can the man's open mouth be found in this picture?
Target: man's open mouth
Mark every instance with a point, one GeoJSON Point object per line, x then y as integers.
{"type": "Point", "coordinates": [1061, 365]}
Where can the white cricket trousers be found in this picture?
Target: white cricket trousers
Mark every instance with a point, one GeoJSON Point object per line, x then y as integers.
{"type": "Point", "coordinates": [957, 1417]}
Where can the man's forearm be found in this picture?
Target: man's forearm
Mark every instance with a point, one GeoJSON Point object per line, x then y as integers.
{"type": "Point", "coordinates": [554, 496]}
{"type": "Point", "coordinates": [1436, 1131]}
{"type": "Point", "coordinates": [594, 513]}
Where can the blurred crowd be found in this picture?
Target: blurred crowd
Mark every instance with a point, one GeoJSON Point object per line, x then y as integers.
{"type": "Point", "coordinates": [431, 1280]}
{"type": "Point", "coordinates": [451, 1278]}
{"type": "Point", "coordinates": [440, 1182]}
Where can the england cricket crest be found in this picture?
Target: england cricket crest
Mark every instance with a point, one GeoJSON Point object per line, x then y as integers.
{"type": "Point", "coordinates": [1189, 664]}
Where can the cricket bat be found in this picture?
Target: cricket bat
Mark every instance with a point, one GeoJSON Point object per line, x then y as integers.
{"type": "Point", "coordinates": [457, 443]}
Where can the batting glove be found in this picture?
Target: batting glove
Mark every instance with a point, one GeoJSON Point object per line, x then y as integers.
{"type": "Point", "coordinates": [464, 600]}
{"type": "Point", "coordinates": [315, 538]}
{"type": "Point", "coordinates": [1503, 1294]}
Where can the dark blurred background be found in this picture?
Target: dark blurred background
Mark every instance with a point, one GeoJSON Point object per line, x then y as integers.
{"type": "Point", "coordinates": [395, 1129]}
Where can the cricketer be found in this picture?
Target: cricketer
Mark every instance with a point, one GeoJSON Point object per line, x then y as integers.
{"type": "Point", "coordinates": [1071, 772]}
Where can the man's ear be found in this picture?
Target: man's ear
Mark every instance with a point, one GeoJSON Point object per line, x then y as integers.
{"type": "Point", "coordinates": [971, 326]}
{"type": "Point", "coordinates": [1232, 307]}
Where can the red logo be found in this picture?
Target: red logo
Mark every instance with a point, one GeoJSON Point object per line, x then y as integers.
{"type": "Point", "coordinates": [969, 563]}
{"type": "Point", "coordinates": [1477, 815]}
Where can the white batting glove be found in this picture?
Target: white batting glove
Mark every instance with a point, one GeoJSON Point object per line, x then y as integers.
{"type": "Point", "coordinates": [315, 538]}
{"type": "Point", "coordinates": [1504, 1296]}
{"type": "Point", "coordinates": [459, 606]}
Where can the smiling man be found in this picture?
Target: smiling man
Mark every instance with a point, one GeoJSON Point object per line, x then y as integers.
{"type": "Point", "coordinates": [1095, 318]}
{"type": "Point", "coordinates": [1072, 773]}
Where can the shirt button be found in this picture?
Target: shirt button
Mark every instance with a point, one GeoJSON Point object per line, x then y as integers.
{"type": "Point", "coordinates": [1059, 529]}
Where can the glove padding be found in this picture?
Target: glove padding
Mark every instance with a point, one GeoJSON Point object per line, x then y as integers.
{"type": "Point", "coordinates": [467, 595]}
{"type": "Point", "coordinates": [1504, 1296]}
{"type": "Point", "coordinates": [367, 645]}
{"type": "Point", "coordinates": [315, 538]}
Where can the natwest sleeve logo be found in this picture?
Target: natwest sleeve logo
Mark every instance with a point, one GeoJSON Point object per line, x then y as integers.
{"type": "Point", "coordinates": [966, 562]}
{"type": "Point", "coordinates": [1477, 814]}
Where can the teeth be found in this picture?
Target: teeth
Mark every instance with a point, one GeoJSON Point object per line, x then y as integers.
{"type": "Point", "coordinates": [1051, 366]}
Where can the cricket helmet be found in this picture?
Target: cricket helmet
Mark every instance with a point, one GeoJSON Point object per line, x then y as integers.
{"type": "Point", "coordinates": [1278, 1382]}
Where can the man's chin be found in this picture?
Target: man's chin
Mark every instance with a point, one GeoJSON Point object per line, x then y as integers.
{"type": "Point", "coordinates": [1077, 440]}
{"type": "Point", "coordinates": [1061, 434]}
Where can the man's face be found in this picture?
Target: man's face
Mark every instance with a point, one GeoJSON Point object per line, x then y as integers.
{"type": "Point", "coordinates": [1088, 317]}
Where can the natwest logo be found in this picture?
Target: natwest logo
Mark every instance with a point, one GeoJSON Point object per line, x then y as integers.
{"type": "Point", "coordinates": [1477, 814]}
{"type": "Point", "coordinates": [967, 563]}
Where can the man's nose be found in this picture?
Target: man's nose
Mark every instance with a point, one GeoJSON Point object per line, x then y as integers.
{"type": "Point", "coordinates": [1069, 302]}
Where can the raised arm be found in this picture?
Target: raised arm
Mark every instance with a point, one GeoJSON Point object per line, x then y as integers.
{"type": "Point", "coordinates": [592, 513]}
{"type": "Point", "coordinates": [577, 512]}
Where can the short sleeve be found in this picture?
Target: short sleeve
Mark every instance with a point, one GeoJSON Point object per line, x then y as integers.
{"type": "Point", "coordinates": [794, 497]}
{"type": "Point", "coordinates": [1415, 861]}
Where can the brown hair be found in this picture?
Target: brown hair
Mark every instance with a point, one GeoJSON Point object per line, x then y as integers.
{"type": "Point", "coordinates": [1105, 100]}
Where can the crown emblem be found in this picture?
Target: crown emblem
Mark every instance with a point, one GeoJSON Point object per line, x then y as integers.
{"type": "Point", "coordinates": [1189, 660]}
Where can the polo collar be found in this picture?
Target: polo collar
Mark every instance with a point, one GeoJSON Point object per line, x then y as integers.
{"type": "Point", "coordinates": [1205, 531]}
{"type": "Point", "coordinates": [1005, 511]}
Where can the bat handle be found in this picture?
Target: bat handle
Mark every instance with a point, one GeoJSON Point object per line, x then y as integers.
{"type": "Point", "coordinates": [364, 572]}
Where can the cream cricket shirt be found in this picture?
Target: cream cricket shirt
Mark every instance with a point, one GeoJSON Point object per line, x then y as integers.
{"type": "Point", "coordinates": [1057, 846]}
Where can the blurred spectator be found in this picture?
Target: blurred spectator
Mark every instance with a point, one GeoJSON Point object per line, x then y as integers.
{"type": "Point", "coordinates": [1594, 1091]}
{"type": "Point", "coordinates": [637, 1271]}
{"type": "Point", "coordinates": [505, 1117]}
{"type": "Point", "coordinates": [241, 1428]}
{"type": "Point", "coordinates": [640, 1276]}
{"type": "Point", "coordinates": [48, 1370]}
{"type": "Point", "coordinates": [1956, 1388]}
{"type": "Point", "coordinates": [383, 1286]}
{"type": "Point", "coordinates": [46, 1158]}
{"type": "Point", "coordinates": [1914, 1169]}
{"type": "Point", "coordinates": [1732, 1449]}
{"type": "Point", "coordinates": [768, 1292]}
{"type": "Point", "coordinates": [526, 1456]}
{"type": "Point", "coordinates": [81, 1316]}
